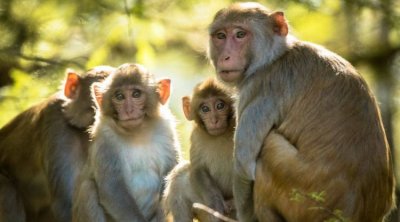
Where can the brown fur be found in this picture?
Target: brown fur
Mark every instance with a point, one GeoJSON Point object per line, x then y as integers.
{"type": "Point", "coordinates": [307, 123]}
{"type": "Point", "coordinates": [41, 152]}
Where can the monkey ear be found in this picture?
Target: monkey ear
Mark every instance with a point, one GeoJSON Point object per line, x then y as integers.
{"type": "Point", "coordinates": [164, 90]}
{"type": "Point", "coordinates": [280, 25]}
{"type": "Point", "coordinates": [97, 93]}
{"type": "Point", "coordinates": [71, 84]}
{"type": "Point", "coordinates": [186, 107]}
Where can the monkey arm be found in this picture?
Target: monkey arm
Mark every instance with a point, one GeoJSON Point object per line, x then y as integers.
{"type": "Point", "coordinates": [167, 170]}
{"type": "Point", "coordinates": [61, 180]}
{"type": "Point", "coordinates": [207, 189]}
{"type": "Point", "coordinates": [254, 124]}
{"type": "Point", "coordinates": [243, 198]}
{"type": "Point", "coordinates": [86, 205]}
{"type": "Point", "coordinates": [113, 193]}
{"type": "Point", "coordinates": [62, 161]}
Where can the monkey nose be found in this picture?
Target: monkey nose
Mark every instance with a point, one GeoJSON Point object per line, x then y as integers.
{"type": "Point", "coordinates": [227, 58]}
{"type": "Point", "coordinates": [215, 120]}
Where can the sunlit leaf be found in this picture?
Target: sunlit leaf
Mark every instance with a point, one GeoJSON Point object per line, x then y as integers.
{"type": "Point", "coordinates": [98, 57]}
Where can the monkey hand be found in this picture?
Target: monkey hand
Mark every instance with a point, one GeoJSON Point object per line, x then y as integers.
{"type": "Point", "coordinates": [229, 206]}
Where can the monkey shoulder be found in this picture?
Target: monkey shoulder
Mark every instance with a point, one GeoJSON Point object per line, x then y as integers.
{"type": "Point", "coordinates": [312, 67]}
{"type": "Point", "coordinates": [39, 126]}
{"type": "Point", "coordinates": [305, 67]}
{"type": "Point", "coordinates": [178, 178]}
{"type": "Point", "coordinates": [306, 58]}
{"type": "Point", "coordinates": [31, 117]}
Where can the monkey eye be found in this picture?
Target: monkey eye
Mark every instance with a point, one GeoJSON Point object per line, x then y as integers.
{"type": "Point", "coordinates": [220, 35]}
{"type": "Point", "coordinates": [205, 109]}
{"type": "Point", "coordinates": [220, 105]}
{"type": "Point", "coordinates": [136, 93]}
{"type": "Point", "coordinates": [119, 96]}
{"type": "Point", "coordinates": [240, 34]}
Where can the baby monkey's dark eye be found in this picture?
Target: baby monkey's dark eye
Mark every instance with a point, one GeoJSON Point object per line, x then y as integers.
{"type": "Point", "coordinates": [136, 93]}
{"type": "Point", "coordinates": [220, 105]}
{"type": "Point", "coordinates": [119, 96]}
{"type": "Point", "coordinates": [205, 109]}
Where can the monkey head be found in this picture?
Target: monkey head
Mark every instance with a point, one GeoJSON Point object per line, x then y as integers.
{"type": "Point", "coordinates": [78, 107]}
{"type": "Point", "coordinates": [245, 37]}
{"type": "Point", "coordinates": [130, 96]}
{"type": "Point", "coordinates": [210, 107]}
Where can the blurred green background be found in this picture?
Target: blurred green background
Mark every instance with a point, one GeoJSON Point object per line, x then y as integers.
{"type": "Point", "coordinates": [40, 39]}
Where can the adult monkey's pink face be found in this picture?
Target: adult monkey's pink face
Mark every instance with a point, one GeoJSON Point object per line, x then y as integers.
{"type": "Point", "coordinates": [230, 48]}
{"type": "Point", "coordinates": [243, 38]}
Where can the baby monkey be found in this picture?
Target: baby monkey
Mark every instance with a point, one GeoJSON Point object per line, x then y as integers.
{"type": "Point", "coordinates": [134, 147]}
{"type": "Point", "coordinates": [208, 177]}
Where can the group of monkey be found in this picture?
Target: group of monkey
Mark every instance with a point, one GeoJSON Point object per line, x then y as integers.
{"type": "Point", "coordinates": [283, 115]}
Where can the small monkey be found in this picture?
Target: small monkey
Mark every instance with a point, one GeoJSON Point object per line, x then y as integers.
{"type": "Point", "coordinates": [306, 122]}
{"type": "Point", "coordinates": [208, 177]}
{"type": "Point", "coordinates": [42, 150]}
{"type": "Point", "coordinates": [134, 147]}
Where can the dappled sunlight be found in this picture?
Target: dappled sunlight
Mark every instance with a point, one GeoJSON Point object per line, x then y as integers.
{"type": "Point", "coordinates": [41, 39]}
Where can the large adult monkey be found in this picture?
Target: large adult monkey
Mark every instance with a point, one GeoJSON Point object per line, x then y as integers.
{"type": "Point", "coordinates": [207, 179]}
{"type": "Point", "coordinates": [134, 147]}
{"type": "Point", "coordinates": [307, 122]}
{"type": "Point", "coordinates": [43, 149]}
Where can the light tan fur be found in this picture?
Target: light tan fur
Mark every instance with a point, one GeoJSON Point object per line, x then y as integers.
{"type": "Point", "coordinates": [208, 177]}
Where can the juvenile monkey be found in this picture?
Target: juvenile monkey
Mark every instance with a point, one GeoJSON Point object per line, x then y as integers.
{"type": "Point", "coordinates": [208, 177]}
{"type": "Point", "coordinates": [307, 122]}
{"type": "Point", "coordinates": [42, 150]}
{"type": "Point", "coordinates": [134, 147]}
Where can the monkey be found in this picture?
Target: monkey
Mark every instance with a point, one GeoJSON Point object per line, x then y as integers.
{"type": "Point", "coordinates": [207, 179]}
{"type": "Point", "coordinates": [134, 146]}
{"type": "Point", "coordinates": [42, 150]}
{"type": "Point", "coordinates": [12, 207]}
{"type": "Point", "coordinates": [306, 122]}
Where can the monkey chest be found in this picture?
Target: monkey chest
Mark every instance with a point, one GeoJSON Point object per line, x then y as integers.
{"type": "Point", "coordinates": [221, 171]}
{"type": "Point", "coordinates": [143, 175]}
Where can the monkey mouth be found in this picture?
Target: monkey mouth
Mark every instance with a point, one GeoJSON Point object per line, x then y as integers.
{"type": "Point", "coordinates": [131, 122]}
{"type": "Point", "coordinates": [132, 119]}
{"type": "Point", "coordinates": [227, 72]}
{"type": "Point", "coordinates": [229, 75]}
{"type": "Point", "coordinates": [216, 131]}
{"type": "Point", "coordinates": [123, 118]}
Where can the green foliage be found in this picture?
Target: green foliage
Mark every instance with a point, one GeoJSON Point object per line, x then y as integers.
{"type": "Point", "coordinates": [315, 26]}
{"type": "Point", "coordinates": [26, 91]}
{"type": "Point", "coordinates": [317, 199]}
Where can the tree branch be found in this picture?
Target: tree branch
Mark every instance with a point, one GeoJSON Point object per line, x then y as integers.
{"type": "Point", "coordinates": [52, 61]}
{"type": "Point", "coordinates": [214, 213]}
